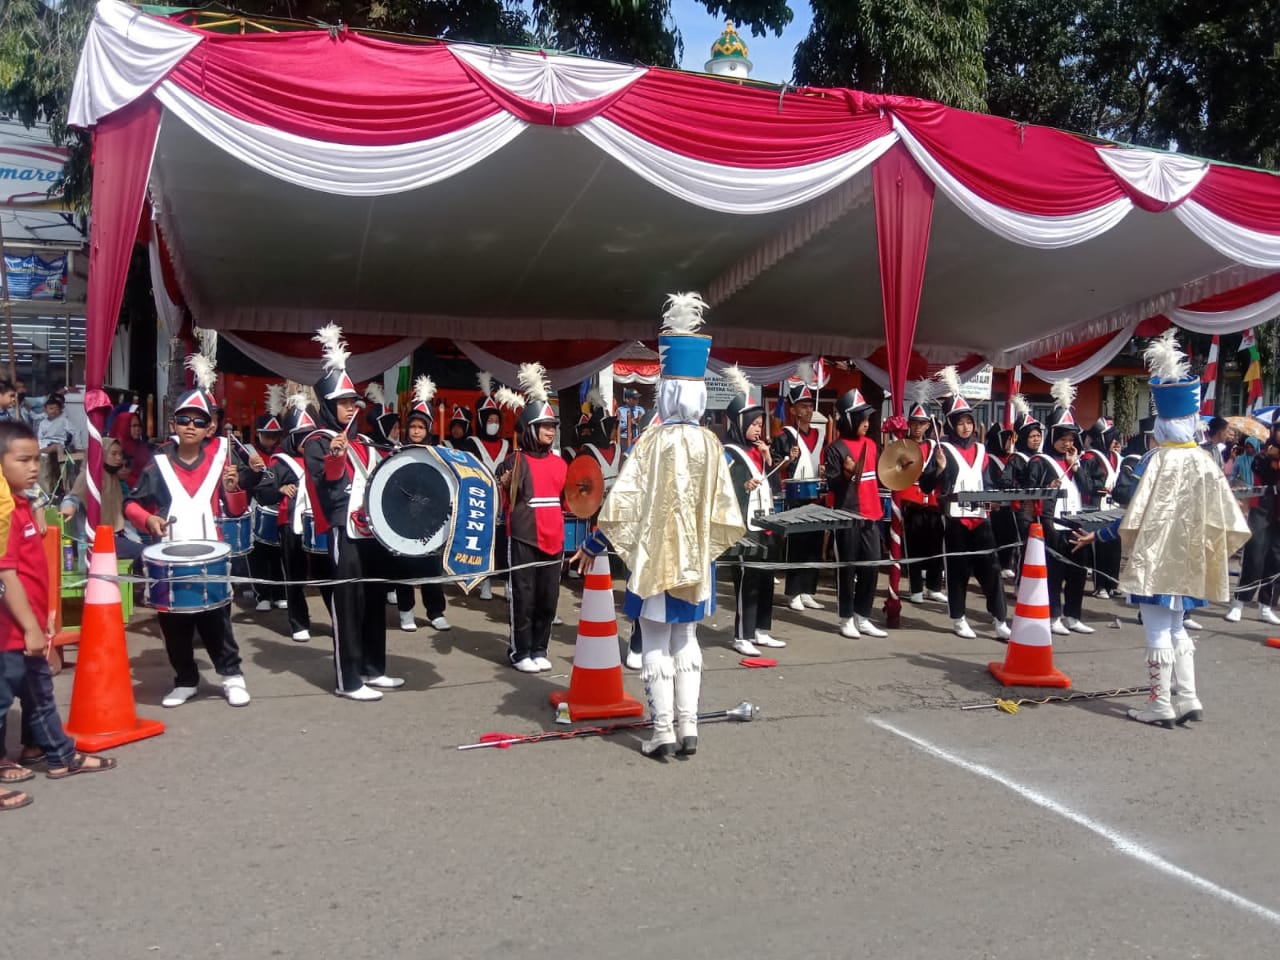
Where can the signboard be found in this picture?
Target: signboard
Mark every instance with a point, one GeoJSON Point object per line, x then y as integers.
{"type": "Point", "coordinates": [30, 166]}
{"type": "Point", "coordinates": [719, 392]}
{"type": "Point", "coordinates": [35, 278]}
{"type": "Point", "coordinates": [978, 387]}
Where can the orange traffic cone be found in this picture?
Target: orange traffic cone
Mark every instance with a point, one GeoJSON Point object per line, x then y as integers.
{"type": "Point", "coordinates": [102, 709]}
{"type": "Point", "coordinates": [595, 685]}
{"type": "Point", "coordinates": [1029, 662]}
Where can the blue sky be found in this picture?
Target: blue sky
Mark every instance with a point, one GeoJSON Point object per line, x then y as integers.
{"type": "Point", "coordinates": [770, 56]}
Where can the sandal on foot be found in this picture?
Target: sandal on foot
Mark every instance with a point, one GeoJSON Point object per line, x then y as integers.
{"type": "Point", "coordinates": [13, 800]}
{"type": "Point", "coordinates": [11, 772]}
{"type": "Point", "coordinates": [31, 759]}
{"type": "Point", "coordinates": [80, 764]}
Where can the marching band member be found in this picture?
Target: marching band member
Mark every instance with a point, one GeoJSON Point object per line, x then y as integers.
{"type": "Point", "coordinates": [290, 495]}
{"type": "Point", "coordinates": [671, 513]}
{"type": "Point", "coordinates": [921, 518]}
{"type": "Point", "coordinates": [338, 463]}
{"type": "Point", "coordinates": [418, 433]}
{"type": "Point", "coordinates": [595, 439]}
{"type": "Point", "coordinates": [1028, 433]}
{"type": "Point", "coordinates": [850, 467]}
{"type": "Point", "coordinates": [534, 477]}
{"type": "Point", "coordinates": [1000, 447]}
{"type": "Point", "coordinates": [491, 449]}
{"type": "Point", "coordinates": [180, 494]}
{"type": "Point", "coordinates": [749, 464]}
{"type": "Point", "coordinates": [961, 465]}
{"type": "Point", "coordinates": [459, 428]}
{"type": "Point", "coordinates": [1103, 460]}
{"type": "Point", "coordinates": [1179, 531]}
{"type": "Point", "coordinates": [264, 558]}
{"type": "Point", "coordinates": [800, 444]}
{"type": "Point", "coordinates": [1062, 469]}
{"type": "Point", "coordinates": [381, 418]}
{"type": "Point", "coordinates": [1264, 530]}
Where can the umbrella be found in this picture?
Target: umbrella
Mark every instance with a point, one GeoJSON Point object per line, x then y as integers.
{"type": "Point", "coordinates": [1265, 415]}
{"type": "Point", "coordinates": [1249, 427]}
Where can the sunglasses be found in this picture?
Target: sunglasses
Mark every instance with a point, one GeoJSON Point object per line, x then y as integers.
{"type": "Point", "coordinates": [183, 420]}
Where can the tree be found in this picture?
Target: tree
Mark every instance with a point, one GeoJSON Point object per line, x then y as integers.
{"type": "Point", "coordinates": [924, 48]}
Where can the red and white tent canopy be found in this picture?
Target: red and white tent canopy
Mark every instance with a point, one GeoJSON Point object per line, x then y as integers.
{"type": "Point", "coordinates": [410, 189]}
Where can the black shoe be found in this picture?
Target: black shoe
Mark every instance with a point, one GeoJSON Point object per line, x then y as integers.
{"type": "Point", "coordinates": [660, 752]}
{"type": "Point", "coordinates": [688, 747]}
{"type": "Point", "coordinates": [1195, 716]}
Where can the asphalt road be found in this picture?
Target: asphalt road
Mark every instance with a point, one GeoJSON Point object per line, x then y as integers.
{"type": "Point", "coordinates": [863, 815]}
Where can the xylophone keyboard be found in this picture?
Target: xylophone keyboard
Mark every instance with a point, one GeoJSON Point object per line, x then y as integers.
{"type": "Point", "coordinates": [810, 518]}
{"type": "Point", "coordinates": [1248, 493]}
{"type": "Point", "coordinates": [969, 498]}
{"type": "Point", "coordinates": [1090, 520]}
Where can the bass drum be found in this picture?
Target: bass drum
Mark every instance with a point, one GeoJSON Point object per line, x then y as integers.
{"type": "Point", "coordinates": [409, 502]}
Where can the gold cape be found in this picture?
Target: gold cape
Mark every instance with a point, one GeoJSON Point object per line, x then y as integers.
{"type": "Point", "coordinates": [1180, 528]}
{"type": "Point", "coordinates": [672, 512]}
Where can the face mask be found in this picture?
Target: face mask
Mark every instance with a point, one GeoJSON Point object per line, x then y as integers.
{"type": "Point", "coordinates": [491, 429]}
{"type": "Point", "coordinates": [110, 469]}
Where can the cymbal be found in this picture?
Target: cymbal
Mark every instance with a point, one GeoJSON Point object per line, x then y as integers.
{"type": "Point", "coordinates": [900, 464]}
{"type": "Point", "coordinates": [583, 486]}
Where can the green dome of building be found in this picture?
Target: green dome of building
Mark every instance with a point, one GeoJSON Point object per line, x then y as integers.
{"type": "Point", "coordinates": [729, 54]}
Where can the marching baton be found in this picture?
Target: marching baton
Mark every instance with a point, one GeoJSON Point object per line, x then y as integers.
{"type": "Point", "coordinates": [1011, 706]}
{"type": "Point", "coordinates": [744, 712]}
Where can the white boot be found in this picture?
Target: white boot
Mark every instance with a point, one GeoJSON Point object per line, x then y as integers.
{"type": "Point", "coordinates": [1158, 711]}
{"type": "Point", "coordinates": [1268, 615]}
{"type": "Point", "coordinates": [659, 689]}
{"type": "Point", "coordinates": [486, 591]}
{"type": "Point", "coordinates": [869, 629]}
{"type": "Point", "coordinates": [406, 621]}
{"type": "Point", "coordinates": [688, 687]}
{"type": "Point", "coordinates": [1185, 702]}
{"type": "Point", "coordinates": [1236, 612]}
{"type": "Point", "coordinates": [962, 629]}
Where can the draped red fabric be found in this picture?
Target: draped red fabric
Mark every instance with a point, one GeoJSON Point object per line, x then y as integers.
{"type": "Point", "coordinates": [1073, 355]}
{"type": "Point", "coordinates": [904, 216]}
{"type": "Point", "coordinates": [123, 144]}
{"type": "Point", "coordinates": [1237, 297]}
{"type": "Point", "coordinates": [1245, 197]}
{"type": "Point", "coordinates": [1036, 170]}
{"type": "Point", "coordinates": [918, 368]}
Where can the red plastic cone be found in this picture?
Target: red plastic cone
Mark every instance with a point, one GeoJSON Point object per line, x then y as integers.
{"type": "Point", "coordinates": [103, 714]}
{"type": "Point", "coordinates": [1029, 662]}
{"type": "Point", "coordinates": [595, 685]}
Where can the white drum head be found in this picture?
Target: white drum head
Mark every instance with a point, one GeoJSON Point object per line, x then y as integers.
{"type": "Point", "coordinates": [183, 552]}
{"type": "Point", "coordinates": [409, 502]}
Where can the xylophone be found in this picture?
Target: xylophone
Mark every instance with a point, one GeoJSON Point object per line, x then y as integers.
{"type": "Point", "coordinates": [1090, 520]}
{"type": "Point", "coordinates": [811, 518]}
{"type": "Point", "coordinates": [1248, 493]}
{"type": "Point", "coordinates": [977, 498]}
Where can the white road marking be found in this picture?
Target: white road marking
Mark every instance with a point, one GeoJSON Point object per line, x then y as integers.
{"type": "Point", "coordinates": [1122, 844]}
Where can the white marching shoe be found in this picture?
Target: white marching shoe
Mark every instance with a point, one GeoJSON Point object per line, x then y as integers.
{"type": "Point", "coordinates": [1186, 704]}
{"type": "Point", "coordinates": [962, 629]}
{"type": "Point", "coordinates": [659, 688]}
{"type": "Point", "coordinates": [1158, 711]}
{"type": "Point", "coordinates": [542, 663]}
{"type": "Point", "coordinates": [796, 603]}
{"type": "Point", "coordinates": [1075, 626]}
{"type": "Point", "coordinates": [486, 591]}
{"type": "Point", "coordinates": [1235, 613]}
{"type": "Point", "coordinates": [235, 691]}
{"type": "Point", "coordinates": [1190, 624]}
{"type": "Point", "coordinates": [745, 647]}
{"type": "Point", "coordinates": [1003, 630]}
{"type": "Point", "coordinates": [763, 638]}
{"type": "Point", "coordinates": [849, 628]}
{"type": "Point", "coordinates": [1266, 613]}
{"type": "Point", "coordinates": [937, 596]}
{"type": "Point", "coordinates": [391, 598]}
{"type": "Point", "coordinates": [440, 623]}
{"type": "Point", "coordinates": [406, 621]}
{"type": "Point", "coordinates": [869, 629]}
{"type": "Point", "coordinates": [526, 665]}
{"type": "Point", "coordinates": [301, 636]}
{"type": "Point", "coordinates": [383, 682]}
{"type": "Point", "coordinates": [633, 660]}
{"type": "Point", "coordinates": [810, 603]}
{"type": "Point", "coordinates": [1007, 574]}
{"type": "Point", "coordinates": [178, 696]}
{"type": "Point", "coordinates": [916, 597]}
{"type": "Point", "coordinates": [1059, 627]}
{"type": "Point", "coordinates": [262, 605]}
{"type": "Point", "coordinates": [363, 693]}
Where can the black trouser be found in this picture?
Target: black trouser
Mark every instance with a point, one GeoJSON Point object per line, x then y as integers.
{"type": "Point", "coordinates": [265, 567]}
{"type": "Point", "coordinates": [432, 593]}
{"type": "Point", "coordinates": [1004, 527]}
{"type": "Point", "coordinates": [754, 609]}
{"type": "Point", "coordinates": [300, 565]}
{"type": "Point", "coordinates": [1066, 576]}
{"type": "Point", "coordinates": [214, 627]}
{"type": "Point", "coordinates": [856, 586]}
{"type": "Point", "coordinates": [983, 567]}
{"type": "Point", "coordinates": [1106, 565]}
{"type": "Point", "coordinates": [922, 537]}
{"type": "Point", "coordinates": [534, 593]}
{"type": "Point", "coordinates": [359, 621]}
{"type": "Point", "coordinates": [1264, 541]}
{"type": "Point", "coordinates": [802, 548]}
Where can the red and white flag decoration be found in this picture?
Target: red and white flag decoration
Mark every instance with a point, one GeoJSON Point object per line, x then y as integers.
{"type": "Point", "coordinates": [1210, 380]}
{"type": "Point", "coordinates": [1013, 385]}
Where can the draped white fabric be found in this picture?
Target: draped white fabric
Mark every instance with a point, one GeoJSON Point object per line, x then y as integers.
{"type": "Point", "coordinates": [1227, 321]}
{"type": "Point", "coordinates": [1045, 233]}
{"type": "Point", "coordinates": [932, 389]}
{"type": "Point", "coordinates": [1167, 177]}
{"type": "Point", "coordinates": [505, 372]}
{"type": "Point", "coordinates": [361, 366]}
{"type": "Point", "coordinates": [1087, 368]}
{"type": "Point", "coordinates": [740, 190]}
{"type": "Point", "coordinates": [547, 77]}
{"type": "Point", "coordinates": [125, 54]}
{"type": "Point", "coordinates": [352, 171]}
{"type": "Point", "coordinates": [761, 376]}
{"type": "Point", "coordinates": [1231, 240]}
{"type": "Point", "coordinates": [170, 313]}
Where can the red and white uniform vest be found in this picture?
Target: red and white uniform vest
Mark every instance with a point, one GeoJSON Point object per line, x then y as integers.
{"type": "Point", "coordinates": [1112, 470]}
{"type": "Point", "coordinates": [491, 453]}
{"type": "Point", "coordinates": [969, 479]}
{"type": "Point", "coordinates": [360, 461]}
{"type": "Point", "coordinates": [609, 463]}
{"type": "Point", "coordinates": [808, 465]}
{"type": "Point", "coordinates": [193, 511]}
{"type": "Point", "coordinates": [302, 502]}
{"type": "Point", "coordinates": [759, 500]}
{"type": "Point", "coordinates": [1071, 503]}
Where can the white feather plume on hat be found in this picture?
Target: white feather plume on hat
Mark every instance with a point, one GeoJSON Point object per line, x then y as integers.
{"type": "Point", "coordinates": [738, 380]}
{"type": "Point", "coordinates": [509, 399]}
{"type": "Point", "coordinates": [533, 381]}
{"type": "Point", "coordinates": [596, 399]}
{"type": "Point", "coordinates": [298, 401]}
{"type": "Point", "coordinates": [683, 313]}
{"type": "Point", "coordinates": [918, 391]}
{"type": "Point", "coordinates": [485, 380]}
{"type": "Point", "coordinates": [375, 394]}
{"type": "Point", "coordinates": [1064, 394]}
{"type": "Point", "coordinates": [1165, 359]}
{"type": "Point", "coordinates": [202, 370]}
{"type": "Point", "coordinates": [335, 348]}
{"type": "Point", "coordinates": [275, 399]}
{"type": "Point", "coordinates": [1020, 406]}
{"type": "Point", "coordinates": [949, 376]}
{"type": "Point", "coordinates": [424, 390]}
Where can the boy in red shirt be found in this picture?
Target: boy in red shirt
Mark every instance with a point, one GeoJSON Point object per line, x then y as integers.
{"type": "Point", "coordinates": [24, 640]}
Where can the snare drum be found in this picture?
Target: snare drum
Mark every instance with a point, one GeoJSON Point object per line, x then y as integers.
{"type": "Point", "coordinates": [575, 532]}
{"type": "Point", "coordinates": [266, 525]}
{"type": "Point", "coordinates": [795, 490]}
{"type": "Point", "coordinates": [312, 541]}
{"type": "Point", "coordinates": [237, 533]}
{"type": "Point", "coordinates": [186, 576]}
